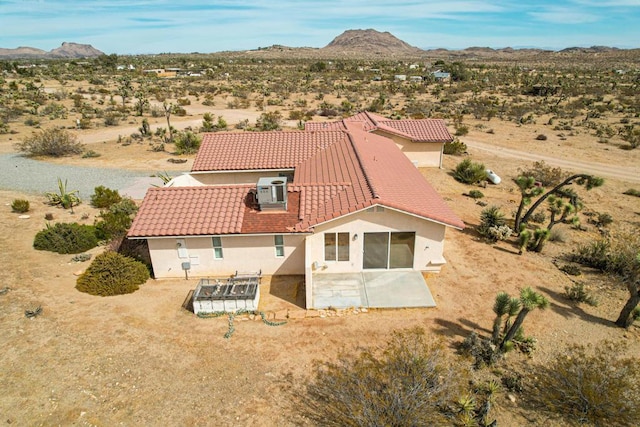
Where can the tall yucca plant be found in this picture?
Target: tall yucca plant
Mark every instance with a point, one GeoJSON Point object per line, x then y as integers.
{"type": "Point", "coordinates": [530, 300]}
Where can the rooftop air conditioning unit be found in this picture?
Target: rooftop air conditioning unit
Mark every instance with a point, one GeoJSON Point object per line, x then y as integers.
{"type": "Point", "coordinates": [272, 193]}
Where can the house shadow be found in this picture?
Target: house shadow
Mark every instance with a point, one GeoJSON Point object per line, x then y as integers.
{"type": "Point", "coordinates": [289, 289]}
{"type": "Point", "coordinates": [569, 309]}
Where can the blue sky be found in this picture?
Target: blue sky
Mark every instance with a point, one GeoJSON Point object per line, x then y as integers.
{"type": "Point", "coordinates": [159, 26]}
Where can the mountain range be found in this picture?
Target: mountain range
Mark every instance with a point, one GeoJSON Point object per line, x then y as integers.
{"type": "Point", "coordinates": [66, 50]}
{"type": "Point", "coordinates": [351, 43]}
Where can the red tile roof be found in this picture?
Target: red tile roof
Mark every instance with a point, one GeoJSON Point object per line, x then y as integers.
{"type": "Point", "coordinates": [417, 130]}
{"type": "Point", "coordinates": [260, 150]}
{"type": "Point", "coordinates": [189, 211]}
{"type": "Point", "coordinates": [354, 171]}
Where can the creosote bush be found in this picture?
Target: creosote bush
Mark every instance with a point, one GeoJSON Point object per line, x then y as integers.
{"type": "Point", "coordinates": [455, 147]}
{"type": "Point", "coordinates": [112, 274]}
{"type": "Point", "coordinates": [66, 238]}
{"type": "Point", "coordinates": [586, 387]}
{"type": "Point", "coordinates": [50, 142]}
{"type": "Point", "coordinates": [20, 206]}
{"type": "Point", "coordinates": [187, 143]}
{"type": "Point", "coordinates": [409, 382]}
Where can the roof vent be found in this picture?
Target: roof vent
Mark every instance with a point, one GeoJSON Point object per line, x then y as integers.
{"type": "Point", "coordinates": [272, 193]}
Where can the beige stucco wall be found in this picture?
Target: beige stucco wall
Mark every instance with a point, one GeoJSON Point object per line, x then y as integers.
{"type": "Point", "coordinates": [224, 178]}
{"type": "Point", "coordinates": [425, 154]}
{"type": "Point", "coordinates": [240, 253]}
{"type": "Point", "coordinates": [429, 243]}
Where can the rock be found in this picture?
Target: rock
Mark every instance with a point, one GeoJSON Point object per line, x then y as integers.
{"type": "Point", "coordinates": [297, 314]}
{"type": "Point", "coordinates": [312, 313]}
{"type": "Point", "coordinates": [282, 314]}
{"type": "Point", "coordinates": [78, 272]}
{"type": "Point", "coordinates": [511, 397]}
{"type": "Point", "coordinates": [24, 216]}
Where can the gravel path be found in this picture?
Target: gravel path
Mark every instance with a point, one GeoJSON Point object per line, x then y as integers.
{"type": "Point", "coordinates": [628, 174]}
{"type": "Point", "coordinates": [32, 176]}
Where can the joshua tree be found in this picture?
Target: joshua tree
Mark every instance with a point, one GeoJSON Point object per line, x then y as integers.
{"type": "Point", "coordinates": [588, 181]}
{"type": "Point", "coordinates": [528, 190]}
{"type": "Point", "coordinates": [530, 300]}
{"type": "Point", "coordinates": [560, 210]}
{"type": "Point", "coordinates": [168, 109]}
{"type": "Point", "coordinates": [504, 305]}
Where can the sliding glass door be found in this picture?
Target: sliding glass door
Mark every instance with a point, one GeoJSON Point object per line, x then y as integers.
{"type": "Point", "coordinates": [388, 250]}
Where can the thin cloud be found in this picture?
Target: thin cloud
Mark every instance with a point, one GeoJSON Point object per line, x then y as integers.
{"type": "Point", "coordinates": [148, 26]}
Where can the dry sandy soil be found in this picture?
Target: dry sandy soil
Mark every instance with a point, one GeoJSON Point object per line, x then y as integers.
{"type": "Point", "coordinates": [143, 359]}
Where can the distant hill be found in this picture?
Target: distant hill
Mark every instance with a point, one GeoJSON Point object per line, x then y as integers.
{"type": "Point", "coordinates": [367, 42]}
{"type": "Point", "coordinates": [66, 50]}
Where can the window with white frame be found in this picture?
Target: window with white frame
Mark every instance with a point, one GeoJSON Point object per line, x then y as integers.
{"type": "Point", "coordinates": [336, 246]}
{"type": "Point", "coordinates": [217, 247]}
{"type": "Point", "coordinates": [278, 241]}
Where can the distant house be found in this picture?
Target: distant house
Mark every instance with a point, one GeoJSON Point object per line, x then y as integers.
{"type": "Point", "coordinates": [421, 140]}
{"type": "Point", "coordinates": [400, 77]}
{"type": "Point", "coordinates": [415, 79]}
{"type": "Point", "coordinates": [441, 75]}
{"type": "Point", "coordinates": [323, 204]}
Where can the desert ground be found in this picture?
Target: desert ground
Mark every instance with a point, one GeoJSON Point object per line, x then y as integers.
{"type": "Point", "coordinates": [143, 359]}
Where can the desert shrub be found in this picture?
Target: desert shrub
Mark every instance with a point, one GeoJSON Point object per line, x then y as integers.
{"type": "Point", "coordinates": [104, 197]}
{"type": "Point", "coordinates": [462, 130]}
{"type": "Point", "coordinates": [81, 257]}
{"type": "Point", "coordinates": [66, 238]}
{"type": "Point", "coordinates": [541, 137]}
{"type": "Point", "coordinates": [112, 274]}
{"type": "Point", "coordinates": [571, 270]}
{"type": "Point", "coordinates": [539, 217]}
{"type": "Point", "coordinates": [20, 206]}
{"type": "Point", "coordinates": [126, 205]}
{"type": "Point", "coordinates": [115, 221]}
{"type": "Point", "coordinates": [184, 101]}
{"type": "Point", "coordinates": [469, 172]}
{"type": "Point", "coordinates": [476, 194]}
{"type": "Point", "coordinates": [632, 192]}
{"type": "Point", "coordinates": [50, 142]}
{"type": "Point", "coordinates": [187, 143]}
{"type": "Point", "coordinates": [595, 254]}
{"type": "Point", "coordinates": [579, 293]}
{"type": "Point", "coordinates": [546, 175]}
{"type": "Point", "coordinates": [409, 383]}
{"type": "Point", "coordinates": [602, 219]}
{"type": "Point", "coordinates": [584, 387]}
{"type": "Point", "coordinates": [501, 232]}
{"type": "Point", "coordinates": [492, 222]}
{"type": "Point", "coordinates": [89, 154]}
{"type": "Point", "coordinates": [31, 121]}
{"type": "Point", "coordinates": [112, 119]}
{"type": "Point", "coordinates": [455, 147]}
{"type": "Point", "coordinates": [269, 121]}
{"type": "Point", "coordinates": [179, 111]}
{"type": "Point", "coordinates": [482, 350]}
{"type": "Point", "coordinates": [557, 235]}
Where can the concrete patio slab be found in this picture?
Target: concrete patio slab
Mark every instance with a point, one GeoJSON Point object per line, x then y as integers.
{"type": "Point", "coordinates": [373, 289]}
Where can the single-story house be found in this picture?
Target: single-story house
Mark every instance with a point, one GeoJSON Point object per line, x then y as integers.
{"type": "Point", "coordinates": [295, 202]}
{"type": "Point", "coordinates": [421, 140]}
